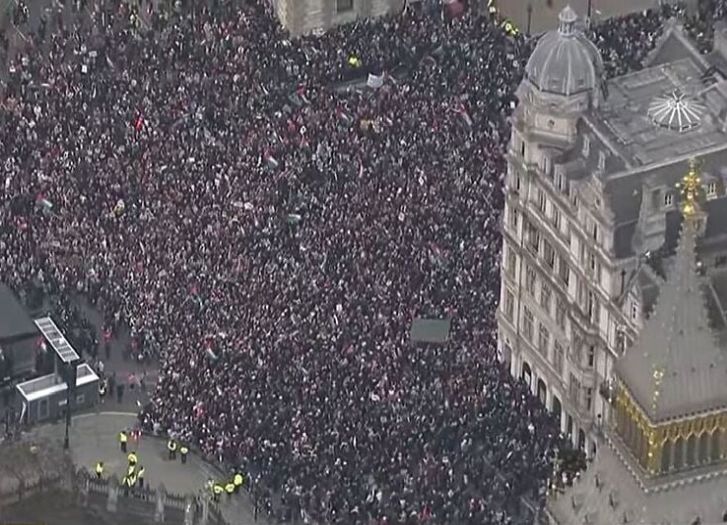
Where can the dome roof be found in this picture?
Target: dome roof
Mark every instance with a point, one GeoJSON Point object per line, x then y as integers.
{"type": "Point", "coordinates": [565, 62]}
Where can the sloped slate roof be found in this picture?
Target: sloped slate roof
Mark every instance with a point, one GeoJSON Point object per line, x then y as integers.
{"type": "Point", "coordinates": [676, 367]}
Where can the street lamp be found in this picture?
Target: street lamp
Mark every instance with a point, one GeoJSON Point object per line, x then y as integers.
{"type": "Point", "coordinates": [70, 389]}
{"type": "Point", "coordinates": [530, 18]}
{"type": "Point", "coordinates": [590, 8]}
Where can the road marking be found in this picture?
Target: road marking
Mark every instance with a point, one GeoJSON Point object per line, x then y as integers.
{"type": "Point", "coordinates": [109, 413]}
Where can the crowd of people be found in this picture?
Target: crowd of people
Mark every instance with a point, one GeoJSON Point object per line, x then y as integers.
{"type": "Point", "coordinates": [269, 228]}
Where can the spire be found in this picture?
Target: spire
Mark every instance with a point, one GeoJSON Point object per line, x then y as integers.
{"type": "Point", "coordinates": [676, 367]}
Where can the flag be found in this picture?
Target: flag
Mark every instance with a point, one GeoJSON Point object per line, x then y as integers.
{"type": "Point", "coordinates": [271, 162]}
{"type": "Point", "coordinates": [139, 123]}
{"type": "Point", "coordinates": [44, 203]}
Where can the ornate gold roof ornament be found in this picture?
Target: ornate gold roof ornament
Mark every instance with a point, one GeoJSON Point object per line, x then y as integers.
{"type": "Point", "coordinates": [690, 189]}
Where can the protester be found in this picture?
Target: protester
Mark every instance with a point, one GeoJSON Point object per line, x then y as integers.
{"type": "Point", "coordinates": [268, 228]}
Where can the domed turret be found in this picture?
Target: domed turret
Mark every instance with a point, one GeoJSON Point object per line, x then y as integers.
{"type": "Point", "coordinates": [565, 62]}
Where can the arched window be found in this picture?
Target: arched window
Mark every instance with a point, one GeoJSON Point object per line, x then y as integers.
{"type": "Point", "coordinates": [716, 449]}
{"type": "Point", "coordinates": [704, 448]}
{"type": "Point", "coordinates": [666, 456]}
{"type": "Point", "coordinates": [542, 392]}
{"type": "Point", "coordinates": [558, 411]}
{"type": "Point", "coordinates": [678, 454]}
{"type": "Point", "coordinates": [691, 459]}
{"type": "Point", "coordinates": [527, 374]}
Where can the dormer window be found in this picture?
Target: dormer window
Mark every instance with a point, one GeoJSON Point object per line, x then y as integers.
{"type": "Point", "coordinates": [711, 189]}
{"type": "Point", "coordinates": [668, 199]}
{"type": "Point", "coordinates": [601, 161]}
{"type": "Point", "coordinates": [586, 145]}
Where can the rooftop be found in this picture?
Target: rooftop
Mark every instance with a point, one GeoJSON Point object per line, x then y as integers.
{"type": "Point", "coordinates": [608, 493]}
{"type": "Point", "coordinates": [676, 367]}
{"type": "Point", "coordinates": [626, 122]}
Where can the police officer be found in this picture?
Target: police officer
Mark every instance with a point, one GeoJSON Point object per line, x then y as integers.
{"type": "Point", "coordinates": [183, 451]}
{"type": "Point", "coordinates": [217, 490]}
{"type": "Point", "coordinates": [130, 470]}
{"type": "Point", "coordinates": [99, 469]}
{"type": "Point", "coordinates": [133, 460]}
{"type": "Point", "coordinates": [230, 488]}
{"type": "Point", "coordinates": [140, 476]}
{"type": "Point", "coordinates": [102, 389]}
{"type": "Point", "coordinates": [238, 480]}
{"type": "Point", "coordinates": [123, 438]}
{"type": "Point", "coordinates": [172, 447]}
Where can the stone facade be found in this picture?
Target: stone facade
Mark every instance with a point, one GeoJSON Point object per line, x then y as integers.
{"type": "Point", "coordinates": [304, 16]}
{"type": "Point", "coordinates": [590, 217]}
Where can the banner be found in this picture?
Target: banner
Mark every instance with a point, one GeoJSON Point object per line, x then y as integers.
{"type": "Point", "coordinates": [375, 82]}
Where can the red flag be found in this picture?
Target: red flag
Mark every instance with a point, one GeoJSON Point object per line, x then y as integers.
{"type": "Point", "coordinates": [139, 123]}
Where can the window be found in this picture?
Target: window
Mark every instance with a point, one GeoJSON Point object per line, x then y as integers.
{"type": "Point", "coordinates": [511, 262]}
{"type": "Point", "coordinates": [556, 218]}
{"type": "Point", "coordinates": [528, 323]}
{"type": "Point", "coordinates": [564, 271]}
{"type": "Point", "coordinates": [593, 308]}
{"type": "Point", "coordinates": [574, 388]}
{"type": "Point", "coordinates": [601, 161]}
{"type": "Point", "coordinates": [560, 313]}
{"type": "Point", "coordinates": [558, 357]}
{"type": "Point", "coordinates": [592, 262]}
{"type": "Point", "coordinates": [594, 232]}
{"type": "Point", "coordinates": [711, 189]}
{"type": "Point", "coordinates": [530, 280]}
{"type": "Point", "coordinates": [545, 164]}
{"type": "Point", "coordinates": [548, 254]}
{"type": "Point", "coordinates": [512, 217]}
{"type": "Point", "coordinates": [634, 310]}
{"type": "Point", "coordinates": [541, 201]}
{"type": "Point", "coordinates": [344, 5]}
{"type": "Point", "coordinates": [545, 295]}
{"type": "Point", "coordinates": [591, 356]}
{"type": "Point", "coordinates": [668, 198]}
{"type": "Point", "coordinates": [560, 182]}
{"type": "Point", "coordinates": [543, 340]}
{"type": "Point", "coordinates": [522, 149]}
{"type": "Point", "coordinates": [509, 306]}
{"type": "Point", "coordinates": [533, 238]}
{"type": "Point", "coordinates": [586, 145]}
{"type": "Point", "coordinates": [589, 399]}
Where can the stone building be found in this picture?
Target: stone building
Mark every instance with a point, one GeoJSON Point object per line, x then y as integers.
{"type": "Point", "coordinates": [591, 219]}
{"type": "Point", "coordinates": [663, 453]}
{"type": "Point", "coordinates": [304, 16]}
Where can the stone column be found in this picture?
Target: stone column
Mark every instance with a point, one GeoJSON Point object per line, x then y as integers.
{"type": "Point", "coordinates": [161, 496]}
{"type": "Point", "coordinates": [112, 503]}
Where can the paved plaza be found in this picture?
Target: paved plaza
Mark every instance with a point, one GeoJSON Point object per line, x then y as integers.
{"type": "Point", "coordinates": [94, 437]}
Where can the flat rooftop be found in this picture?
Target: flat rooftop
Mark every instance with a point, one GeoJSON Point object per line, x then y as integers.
{"type": "Point", "coordinates": [625, 121]}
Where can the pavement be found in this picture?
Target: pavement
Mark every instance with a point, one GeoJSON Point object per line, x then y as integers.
{"type": "Point", "coordinates": [94, 437]}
